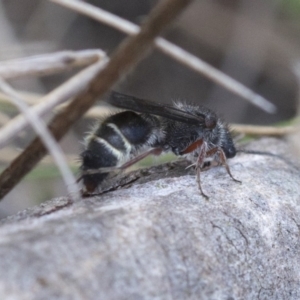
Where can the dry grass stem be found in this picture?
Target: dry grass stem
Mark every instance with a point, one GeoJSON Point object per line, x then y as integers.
{"type": "Point", "coordinates": [263, 130]}
{"type": "Point", "coordinates": [10, 153]}
{"type": "Point", "coordinates": [29, 98]}
{"type": "Point", "coordinates": [173, 51]}
{"type": "Point", "coordinates": [48, 64]}
{"type": "Point", "coordinates": [69, 89]}
{"type": "Point", "coordinates": [48, 140]}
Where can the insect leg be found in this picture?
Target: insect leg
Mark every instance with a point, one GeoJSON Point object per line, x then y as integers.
{"type": "Point", "coordinates": [154, 151]}
{"type": "Point", "coordinates": [222, 158]}
{"type": "Point", "coordinates": [192, 147]}
{"type": "Point", "coordinates": [199, 163]}
{"type": "Point", "coordinates": [202, 148]}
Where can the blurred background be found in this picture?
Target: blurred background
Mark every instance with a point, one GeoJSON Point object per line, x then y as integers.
{"type": "Point", "coordinates": [256, 42]}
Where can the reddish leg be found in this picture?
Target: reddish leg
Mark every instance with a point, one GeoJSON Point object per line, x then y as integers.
{"type": "Point", "coordinates": [202, 147]}
{"type": "Point", "coordinates": [222, 158]}
{"type": "Point", "coordinates": [199, 163]}
{"type": "Point", "coordinates": [203, 153]}
{"type": "Point", "coordinates": [154, 151]}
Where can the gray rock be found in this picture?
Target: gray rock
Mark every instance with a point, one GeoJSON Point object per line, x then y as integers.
{"type": "Point", "coordinates": [162, 240]}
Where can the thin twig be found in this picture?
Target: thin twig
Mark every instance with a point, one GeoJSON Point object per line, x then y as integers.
{"type": "Point", "coordinates": [29, 98]}
{"type": "Point", "coordinates": [69, 89]}
{"type": "Point", "coordinates": [48, 64]}
{"type": "Point", "coordinates": [131, 50]}
{"type": "Point", "coordinates": [172, 50]}
{"type": "Point", "coordinates": [9, 153]}
{"type": "Point", "coordinates": [48, 140]}
{"type": "Point", "coordinates": [263, 130]}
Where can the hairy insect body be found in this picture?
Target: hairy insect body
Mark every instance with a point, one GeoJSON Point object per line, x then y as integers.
{"type": "Point", "coordinates": [119, 138]}
{"type": "Point", "coordinates": [127, 137]}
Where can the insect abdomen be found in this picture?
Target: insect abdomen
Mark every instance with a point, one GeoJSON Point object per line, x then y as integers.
{"type": "Point", "coordinates": [133, 128]}
{"type": "Point", "coordinates": [97, 155]}
{"type": "Point", "coordinates": [114, 142]}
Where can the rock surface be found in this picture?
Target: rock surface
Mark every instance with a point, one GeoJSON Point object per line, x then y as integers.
{"type": "Point", "coordinates": [162, 240]}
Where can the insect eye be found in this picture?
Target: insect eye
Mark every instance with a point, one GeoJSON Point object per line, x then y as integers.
{"type": "Point", "coordinates": [230, 152]}
{"type": "Point", "coordinates": [210, 122]}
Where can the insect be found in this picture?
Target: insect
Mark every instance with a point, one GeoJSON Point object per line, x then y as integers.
{"type": "Point", "coordinates": [148, 128]}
